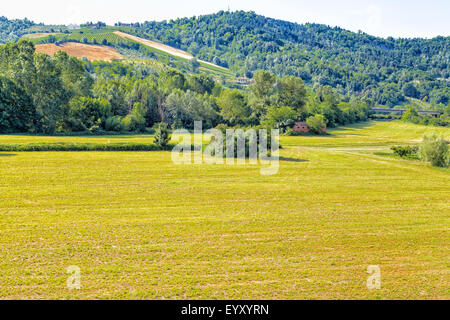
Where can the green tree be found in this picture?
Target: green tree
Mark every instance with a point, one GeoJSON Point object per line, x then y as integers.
{"type": "Point", "coordinates": [86, 113]}
{"type": "Point", "coordinates": [49, 95]}
{"type": "Point", "coordinates": [194, 65]}
{"type": "Point", "coordinates": [410, 91]}
{"type": "Point", "coordinates": [261, 92]}
{"type": "Point", "coordinates": [171, 79]}
{"type": "Point", "coordinates": [136, 119]}
{"type": "Point", "coordinates": [434, 149]}
{"type": "Point", "coordinates": [17, 112]}
{"type": "Point", "coordinates": [292, 93]}
{"type": "Point", "coordinates": [73, 75]}
{"type": "Point", "coordinates": [280, 117]}
{"type": "Point", "coordinates": [201, 83]}
{"type": "Point", "coordinates": [162, 137]}
{"type": "Point", "coordinates": [17, 63]}
{"type": "Point", "coordinates": [233, 107]}
{"type": "Point", "coordinates": [316, 123]}
{"type": "Point", "coordinates": [145, 92]}
{"type": "Point", "coordinates": [411, 115]}
{"type": "Point", "coordinates": [264, 83]}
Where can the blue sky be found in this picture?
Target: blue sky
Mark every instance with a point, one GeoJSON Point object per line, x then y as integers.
{"type": "Point", "coordinates": [397, 18]}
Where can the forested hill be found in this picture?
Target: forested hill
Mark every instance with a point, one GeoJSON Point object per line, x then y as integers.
{"type": "Point", "coordinates": [12, 30]}
{"type": "Point", "coordinates": [387, 70]}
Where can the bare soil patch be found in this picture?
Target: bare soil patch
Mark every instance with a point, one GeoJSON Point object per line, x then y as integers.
{"type": "Point", "coordinates": [80, 50]}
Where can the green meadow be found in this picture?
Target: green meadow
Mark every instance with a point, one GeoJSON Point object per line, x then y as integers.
{"type": "Point", "coordinates": [140, 227]}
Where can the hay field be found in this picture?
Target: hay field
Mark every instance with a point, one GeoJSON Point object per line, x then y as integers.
{"type": "Point", "coordinates": [80, 50]}
{"type": "Point", "coordinates": [139, 226]}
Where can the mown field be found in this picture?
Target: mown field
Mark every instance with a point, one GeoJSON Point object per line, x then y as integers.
{"type": "Point", "coordinates": [139, 226]}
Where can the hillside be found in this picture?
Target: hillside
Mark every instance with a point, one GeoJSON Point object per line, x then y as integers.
{"type": "Point", "coordinates": [12, 30]}
{"type": "Point", "coordinates": [158, 46]}
{"type": "Point", "coordinates": [165, 48]}
{"type": "Point", "coordinates": [387, 71]}
{"type": "Point", "coordinates": [124, 45]}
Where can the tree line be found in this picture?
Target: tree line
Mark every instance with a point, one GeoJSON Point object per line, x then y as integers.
{"type": "Point", "coordinates": [63, 94]}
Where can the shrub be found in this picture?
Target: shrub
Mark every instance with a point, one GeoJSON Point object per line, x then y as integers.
{"type": "Point", "coordinates": [435, 150]}
{"type": "Point", "coordinates": [113, 124]}
{"type": "Point", "coordinates": [258, 139]}
{"type": "Point", "coordinates": [162, 135]}
{"type": "Point", "coordinates": [291, 132]}
{"type": "Point", "coordinates": [316, 123]}
{"type": "Point", "coordinates": [405, 151]}
{"type": "Point", "coordinates": [96, 128]}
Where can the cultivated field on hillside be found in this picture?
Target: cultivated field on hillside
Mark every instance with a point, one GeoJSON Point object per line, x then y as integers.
{"type": "Point", "coordinates": [139, 226]}
{"type": "Point", "coordinates": [80, 50]}
{"type": "Point", "coordinates": [86, 39]}
{"type": "Point", "coordinates": [162, 48]}
{"type": "Point", "coordinates": [39, 35]}
{"type": "Point", "coordinates": [156, 45]}
{"type": "Point", "coordinates": [165, 48]}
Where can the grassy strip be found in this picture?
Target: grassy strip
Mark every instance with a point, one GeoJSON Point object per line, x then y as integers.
{"type": "Point", "coordinates": [74, 146]}
{"type": "Point", "coordinates": [83, 133]}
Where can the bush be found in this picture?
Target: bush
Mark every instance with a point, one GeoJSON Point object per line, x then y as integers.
{"type": "Point", "coordinates": [113, 124]}
{"type": "Point", "coordinates": [250, 140]}
{"type": "Point", "coordinates": [435, 150]}
{"type": "Point", "coordinates": [405, 151]}
{"type": "Point", "coordinates": [135, 121]}
{"type": "Point", "coordinates": [316, 123]}
{"type": "Point", "coordinates": [162, 135]}
{"type": "Point", "coordinates": [292, 133]}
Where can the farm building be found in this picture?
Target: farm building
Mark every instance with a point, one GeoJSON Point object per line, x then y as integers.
{"type": "Point", "coordinates": [303, 127]}
{"type": "Point", "coordinates": [244, 81]}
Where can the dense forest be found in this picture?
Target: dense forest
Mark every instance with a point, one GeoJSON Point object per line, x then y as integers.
{"type": "Point", "coordinates": [385, 70]}
{"type": "Point", "coordinates": [314, 73]}
{"type": "Point", "coordinates": [62, 94]}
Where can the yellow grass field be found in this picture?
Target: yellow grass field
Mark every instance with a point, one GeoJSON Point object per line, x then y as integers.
{"type": "Point", "coordinates": [140, 227]}
{"type": "Point", "coordinates": [80, 50]}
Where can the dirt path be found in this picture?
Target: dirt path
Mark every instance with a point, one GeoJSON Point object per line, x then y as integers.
{"type": "Point", "coordinates": [156, 45]}
{"type": "Point", "coordinates": [165, 48]}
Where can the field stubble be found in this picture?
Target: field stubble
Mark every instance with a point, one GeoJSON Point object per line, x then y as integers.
{"type": "Point", "coordinates": [140, 227]}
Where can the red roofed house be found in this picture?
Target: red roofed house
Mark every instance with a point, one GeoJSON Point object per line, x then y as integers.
{"type": "Point", "coordinates": [303, 127]}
